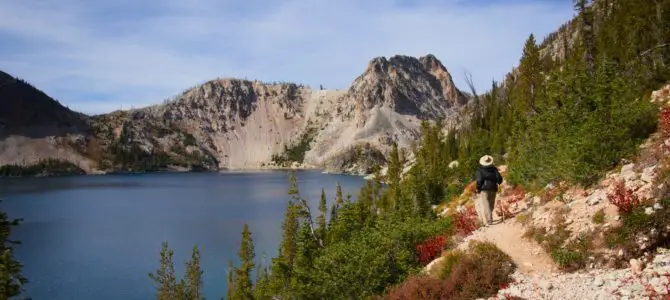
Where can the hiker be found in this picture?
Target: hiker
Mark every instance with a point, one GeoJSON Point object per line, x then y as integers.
{"type": "Point", "coordinates": [488, 179]}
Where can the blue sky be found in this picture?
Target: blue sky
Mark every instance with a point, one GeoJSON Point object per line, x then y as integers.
{"type": "Point", "coordinates": [98, 56]}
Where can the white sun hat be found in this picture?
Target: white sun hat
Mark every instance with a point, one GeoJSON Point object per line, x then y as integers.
{"type": "Point", "coordinates": [486, 160]}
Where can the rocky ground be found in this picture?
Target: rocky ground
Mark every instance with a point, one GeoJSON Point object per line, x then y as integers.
{"type": "Point", "coordinates": [637, 282]}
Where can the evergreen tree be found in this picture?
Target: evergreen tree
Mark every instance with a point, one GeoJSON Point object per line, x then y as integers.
{"type": "Point", "coordinates": [180, 290]}
{"type": "Point", "coordinates": [243, 287]}
{"type": "Point", "coordinates": [231, 280]}
{"type": "Point", "coordinates": [338, 202]}
{"type": "Point", "coordinates": [587, 34]}
{"type": "Point", "coordinates": [303, 206]}
{"type": "Point", "coordinates": [393, 174]}
{"type": "Point", "coordinates": [164, 277]}
{"type": "Point", "coordinates": [263, 288]}
{"type": "Point", "coordinates": [282, 266]}
{"type": "Point", "coordinates": [530, 77]}
{"type": "Point", "coordinates": [193, 283]}
{"type": "Point", "coordinates": [321, 219]}
{"type": "Point", "coordinates": [338, 194]}
{"type": "Point", "coordinates": [301, 283]}
{"type": "Point", "coordinates": [11, 279]}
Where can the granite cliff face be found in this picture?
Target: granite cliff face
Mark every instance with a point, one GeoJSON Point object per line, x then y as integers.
{"type": "Point", "coordinates": [385, 104]}
{"type": "Point", "coordinates": [240, 124]}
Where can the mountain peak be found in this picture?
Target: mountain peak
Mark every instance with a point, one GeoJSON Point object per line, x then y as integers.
{"type": "Point", "coordinates": [408, 85]}
{"type": "Point", "coordinates": [430, 62]}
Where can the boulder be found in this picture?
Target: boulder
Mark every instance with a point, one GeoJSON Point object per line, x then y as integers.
{"type": "Point", "coordinates": [648, 174]}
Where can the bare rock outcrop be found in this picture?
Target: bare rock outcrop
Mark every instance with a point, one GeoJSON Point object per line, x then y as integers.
{"type": "Point", "coordinates": [240, 124]}
{"type": "Point", "coordinates": [386, 104]}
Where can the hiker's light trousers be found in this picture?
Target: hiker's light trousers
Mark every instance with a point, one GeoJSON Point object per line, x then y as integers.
{"type": "Point", "coordinates": [485, 202]}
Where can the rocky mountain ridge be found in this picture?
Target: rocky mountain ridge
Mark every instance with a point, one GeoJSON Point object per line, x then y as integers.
{"type": "Point", "coordinates": [241, 124]}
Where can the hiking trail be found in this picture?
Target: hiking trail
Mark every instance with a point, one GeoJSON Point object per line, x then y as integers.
{"type": "Point", "coordinates": [529, 256]}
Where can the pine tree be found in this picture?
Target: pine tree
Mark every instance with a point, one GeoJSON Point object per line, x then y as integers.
{"type": "Point", "coordinates": [165, 277]}
{"type": "Point", "coordinates": [263, 288]}
{"type": "Point", "coordinates": [288, 245]}
{"type": "Point", "coordinates": [282, 266]}
{"type": "Point", "coordinates": [393, 175]}
{"type": "Point", "coordinates": [11, 279]}
{"type": "Point", "coordinates": [243, 287]}
{"type": "Point", "coordinates": [231, 280]}
{"type": "Point", "coordinates": [338, 194]}
{"type": "Point", "coordinates": [530, 77]}
{"type": "Point", "coordinates": [338, 202]}
{"type": "Point", "coordinates": [587, 34]}
{"type": "Point", "coordinates": [302, 273]}
{"type": "Point", "coordinates": [193, 283]}
{"type": "Point", "coordinates": [321, 219]}
{"type": "Point", "coordinates": [301, 203]}
{"type": "Point", "coordinates": [180, 290]}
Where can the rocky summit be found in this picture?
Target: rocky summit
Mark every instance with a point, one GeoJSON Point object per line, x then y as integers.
{"type": "Point", "coordinates": [237, 124]}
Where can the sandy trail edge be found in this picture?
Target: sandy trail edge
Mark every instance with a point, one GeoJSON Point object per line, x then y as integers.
{"type": "Point", "coordinates": [508, 236]}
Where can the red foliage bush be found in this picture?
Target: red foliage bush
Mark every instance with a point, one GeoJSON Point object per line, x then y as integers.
{"type": "Point", "coordinates": [479, 274]}
{"type": "Point", "coordinates": [624, 199]}
{"type": "Point", "coordinates": [430, 249]}
{"type": "Point", "coordinates": [466, 221]}
{"type": "Point", "coordinates": [419, 288]}
{"type": "Point", "coordinates": [664, 122]}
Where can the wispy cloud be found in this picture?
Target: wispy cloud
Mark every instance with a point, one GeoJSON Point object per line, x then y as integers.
{"type": "Point", "coordinates": [97, 56]}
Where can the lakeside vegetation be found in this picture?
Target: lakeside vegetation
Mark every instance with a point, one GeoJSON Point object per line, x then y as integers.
{"type": "Point", "coordinates": [45, 167]}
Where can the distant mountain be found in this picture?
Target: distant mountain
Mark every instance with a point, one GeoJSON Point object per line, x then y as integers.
{"type": "Point", "coordinates": [28, 111]}
{"type": "Point", "coordinates": [240, 124]}
{"type": "Point", "coordinates": [35, 128]}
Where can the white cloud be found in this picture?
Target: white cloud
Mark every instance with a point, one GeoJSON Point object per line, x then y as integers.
{"type": "Point", "coordinates": [98, 57]}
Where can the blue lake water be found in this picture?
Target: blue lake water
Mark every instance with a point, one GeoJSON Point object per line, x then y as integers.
{"type": "Point", "coordinates": [97, 237]}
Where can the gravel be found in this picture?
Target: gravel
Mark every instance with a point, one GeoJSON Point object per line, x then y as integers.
{"type": "Point", "coordinates": [652, 283]}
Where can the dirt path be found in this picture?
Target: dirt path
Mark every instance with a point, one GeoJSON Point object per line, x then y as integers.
{"type": "Point", "coordinates": [508, 236]}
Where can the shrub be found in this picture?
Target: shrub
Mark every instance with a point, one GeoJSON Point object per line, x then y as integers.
{"type": "Point", "coordinates": [599, 217]}
{"type": "Point", "coordinates": [624, 199]}
{"type": "Point", "coordinates": [419, 288]}
{"type": "Point", "coordinates": [466, 221]}
{"type": "Point", "coordinates": [574, 255]}
{"type": "Point", "coordinates": [664, 122]}
{"type": "Point", "coordinates": [570, 256]}
{"type": "Point", "coordinates": [189, 140]}
{"type": "Point", "coordinates": [479, 273]}
{"type": "Point", "coordinates": [430, 249]}
{"type": "Point", "coordinates": [371, 258]}
{"type": "Point", "coordinates": [451, 258]}
{"type": "Point", "coordinates": [639, 222]}
{"type": "Point", "coordinates": [524, 218]}
{"type": "Point", "coordinates": [549, 194]}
